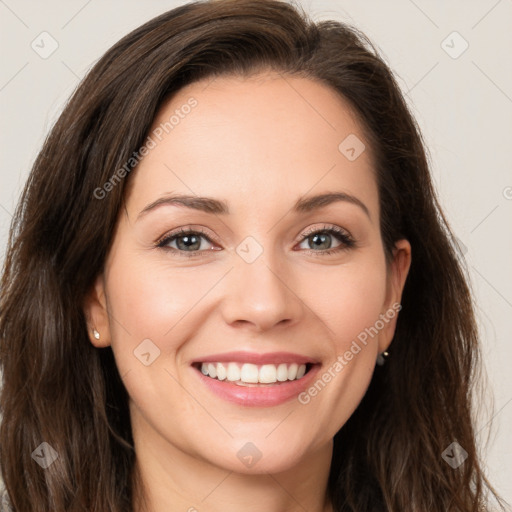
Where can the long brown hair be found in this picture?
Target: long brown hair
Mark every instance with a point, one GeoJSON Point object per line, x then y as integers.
{"type": "Point", "coordinates": [59, 389]}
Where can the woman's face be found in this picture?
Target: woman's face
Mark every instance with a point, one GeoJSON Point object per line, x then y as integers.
{"type": "Point", "coordinates": [271, 278]}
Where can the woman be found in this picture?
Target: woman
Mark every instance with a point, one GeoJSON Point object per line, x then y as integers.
{"type": "Point", "coordinates": [230, 285]}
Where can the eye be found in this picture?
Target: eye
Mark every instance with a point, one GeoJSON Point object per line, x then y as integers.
{"type": "Point", "coordinates": [185, 241]}
{"type": "Point", "coordinates": [190, 242]}
{"type": "Point", "coordinates": [322, 239]}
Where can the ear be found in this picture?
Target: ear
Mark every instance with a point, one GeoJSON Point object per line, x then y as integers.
{"type": "Point", "coordinates": [397, 274]}
{"type": "Point", "coordinates": [96, 313]}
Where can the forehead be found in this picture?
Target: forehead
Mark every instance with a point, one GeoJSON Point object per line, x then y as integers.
{"type": "Point", "coordinates": [264, 139]}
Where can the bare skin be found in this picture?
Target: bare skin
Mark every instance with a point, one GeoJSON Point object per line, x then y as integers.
{"type": "Point", "coordinates": [257, 144]}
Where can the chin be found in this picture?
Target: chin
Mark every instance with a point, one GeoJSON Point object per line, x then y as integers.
{"type": "Point", "coordinates": [259, 457]}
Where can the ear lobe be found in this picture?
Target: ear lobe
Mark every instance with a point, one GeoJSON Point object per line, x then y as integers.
{"type": "Point", "coordinates": [96, 313]}
{"type": "Point", "coordinates": [399, 269]}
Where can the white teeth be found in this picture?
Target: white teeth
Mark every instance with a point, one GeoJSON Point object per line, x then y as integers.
{"type": "Point", "coordinates": [212, 370]}
{"type": "Point", "coordinates": [254, 374]}
{"type": "Point", "coordinates": [233, 372]}
{"type": "Point", "coordinates": [268, 374]}
{"type": "Point", "coordinates": [282, 373]}
{"type": "Point", "coordinates": [221, 371]}
{"type": "Point", "coordinates": [249, 373]}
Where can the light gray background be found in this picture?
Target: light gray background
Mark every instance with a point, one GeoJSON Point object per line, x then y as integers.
{"type": "Point", "coordinates": [463, 105]}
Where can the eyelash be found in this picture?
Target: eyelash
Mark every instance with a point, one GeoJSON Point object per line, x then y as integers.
{"type": "Point", "coordinates": [347, 242]}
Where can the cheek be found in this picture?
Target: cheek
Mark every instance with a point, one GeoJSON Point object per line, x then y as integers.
{"type": "Point", "coordinates": [165, 306]}
{"type": "Point", "coordinates": [351, 309]}
{"type": "Point", "coordinates": [352, 299]}
{"type": "Point", "coordinates": [157, 302]}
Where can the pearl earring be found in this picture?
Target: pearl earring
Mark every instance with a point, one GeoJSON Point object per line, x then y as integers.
{"type": "Point", "coordinates": [381, 358]}
{"type": "Point", "coordinates": [96, 334]}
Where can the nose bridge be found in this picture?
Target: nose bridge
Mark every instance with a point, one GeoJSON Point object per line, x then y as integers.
{"type": "Point", "coordinates": [259, 292]}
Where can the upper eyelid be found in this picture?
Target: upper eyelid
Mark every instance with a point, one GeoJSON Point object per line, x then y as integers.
{"type": "Point", "coordinates": [184, 231]}
{"type": "Point", "coordinates": [336, 229]}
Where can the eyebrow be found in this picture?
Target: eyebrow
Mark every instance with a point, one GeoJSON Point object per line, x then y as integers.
{"type": "Point", "coordinates": [218, 207]}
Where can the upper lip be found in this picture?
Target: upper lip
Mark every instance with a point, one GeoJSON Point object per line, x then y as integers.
{"type": "Point", "coordinates": [256, 358]}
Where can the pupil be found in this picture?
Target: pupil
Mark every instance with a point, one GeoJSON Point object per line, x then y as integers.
{"type": "Point", "coordinates": [189, 241]}
{"type": "Point", "coordinates": [323, 238]}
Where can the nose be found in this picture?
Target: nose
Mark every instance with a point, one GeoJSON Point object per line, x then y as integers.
{"type": "Point", "coordinates": [261, 296]}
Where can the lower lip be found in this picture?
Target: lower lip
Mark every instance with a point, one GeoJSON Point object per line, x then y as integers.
{"type": "Point", "coordinates": [258, 396]}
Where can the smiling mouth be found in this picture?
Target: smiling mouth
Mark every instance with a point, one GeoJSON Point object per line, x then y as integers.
{"type": "Point", "coordinates": [252, 375]}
